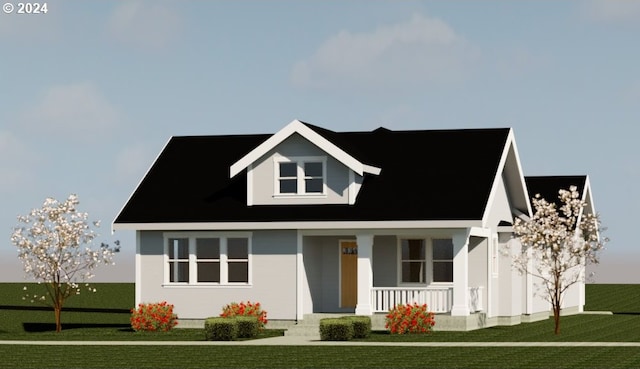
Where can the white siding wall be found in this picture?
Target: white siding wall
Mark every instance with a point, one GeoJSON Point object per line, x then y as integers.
{"type": "Point", "coordinates": [478, 262]}
{"type": "Point", "coordinates": [274, 279]}
{"type": "Point", "coordinates": [500, 208]}
{"type": "Point", "coordinates": [511, 286]}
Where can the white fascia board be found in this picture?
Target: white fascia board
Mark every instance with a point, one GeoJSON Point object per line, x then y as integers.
{"type": "Point", "coordinates": [298, 127]}
{"type": "Point", "coordinates": [520, 173]}
{"type": "Point", "coordinates": [521, 215]}
{"type": "Point", "coordinates": [480, 232]}
{"type": "Point", "coordinates": [113, 224]}
{"type": "Point", "coordinates": [390, 224]}
{"type": "Point", "coordinates": [510, 143]}
{"type": "Point", "coordinates": [371, 169]}
{"type": "Point", "coordinates": [504, 229]}
{"type": "Point", "coordinates": [496, 180]}
{"type": "Point", "coordinates": [588, 197]}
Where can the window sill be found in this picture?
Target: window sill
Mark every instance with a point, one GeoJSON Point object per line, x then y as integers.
{"type": "Point", "coordinates": [206, 285]}
{"type": "Point", "coordinates": [301, 196]}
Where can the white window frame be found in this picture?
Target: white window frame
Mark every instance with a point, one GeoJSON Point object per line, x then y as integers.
{"type": "Point", "coordinates": [193, 262]}
{"type": "Point", "coordinates": [428, 242]}
{"type": "Point", "coordinates": [425, 261]}
{"type": "Point", "coordinates": [300, 161]}
{"type": "Point", "coordinates": [431, 260]}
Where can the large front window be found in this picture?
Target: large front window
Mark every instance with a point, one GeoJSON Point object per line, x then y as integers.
{"type": "Point", "coordinates": [425, 261]}
{"type": "Point", "coordinates": [207, 258]}
{"type": "Point", "coordinates": [300, 176]}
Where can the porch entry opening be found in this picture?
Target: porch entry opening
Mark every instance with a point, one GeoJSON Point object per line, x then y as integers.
{"type": "Point", "coordinates": [348, 274]}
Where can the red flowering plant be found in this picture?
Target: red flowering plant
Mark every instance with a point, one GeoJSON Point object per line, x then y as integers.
{"type": "Point", "coordinates": [409, 318]}
{"type": "Point", "coordinates": [245, 309]}
{"type": "Point", "coordinates": [153, 317]}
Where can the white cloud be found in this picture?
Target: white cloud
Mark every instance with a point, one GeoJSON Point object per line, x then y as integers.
{"type": "Point", "coordinates": [75, 111]}
{"type": "Point", "coordinates": [144, 24]}
{"type": "Point", "coordinates": [418, 51]}
{"type": "Point", "coordinates": [612, 11]}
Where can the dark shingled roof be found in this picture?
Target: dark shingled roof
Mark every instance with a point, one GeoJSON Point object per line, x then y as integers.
{"type": "Point", "coordinates": [426, 175]}
{"type": "Point", "coordinates": [548, 186]}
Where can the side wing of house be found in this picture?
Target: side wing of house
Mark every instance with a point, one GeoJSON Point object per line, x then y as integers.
{"type": "Point", "coordinates": [547, 187]}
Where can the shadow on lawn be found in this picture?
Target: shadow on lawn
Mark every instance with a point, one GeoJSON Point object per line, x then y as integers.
{"type": "Point", "coordinates": [51, 327]}
{"type": "Point", "coordinates": [626, 313]}
{"type": "Point", "coordinates": [66, 309]}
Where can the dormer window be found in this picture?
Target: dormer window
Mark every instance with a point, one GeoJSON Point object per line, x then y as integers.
{"type": "Point", "coordinates": [297, 176]}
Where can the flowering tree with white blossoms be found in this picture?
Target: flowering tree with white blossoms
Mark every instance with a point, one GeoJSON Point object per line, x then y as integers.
{"type": "Point", "coordinates": [559, 243]}
{"type": "Point", "coordinates": [54, 244]}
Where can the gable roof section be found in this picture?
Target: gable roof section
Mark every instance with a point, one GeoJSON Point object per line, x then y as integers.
{"type": "Point", "coordinates": [310, 134]}
{"type": "Point", "coordinates": [548, 187]}
{"type": "Point", "coordinates": [428, 175]}
{"type": "Point", "coordinates": [510, 170]}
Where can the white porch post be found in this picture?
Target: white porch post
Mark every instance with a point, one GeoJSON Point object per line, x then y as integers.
{"type": "Point", "coordinates": [138, 261]}
{"type": "Point", "coordinates": [460, 274]}
{"type": "Point", "coordinates": [300, 277]}
{"type": "Point", "coordinates": [365, 274]}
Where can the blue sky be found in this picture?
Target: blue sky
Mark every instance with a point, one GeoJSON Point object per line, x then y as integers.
{"type": "Point", "coordinates": [91, 91]}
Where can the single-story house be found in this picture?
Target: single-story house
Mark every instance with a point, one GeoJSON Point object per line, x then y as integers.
{"type": "Point", "coordinates": [308, 220]}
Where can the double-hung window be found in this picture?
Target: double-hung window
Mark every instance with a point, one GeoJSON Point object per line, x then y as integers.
{"type": "Point", "coordinates": [413, 261]}
{"type": "Point", "coordinates": [425, 261]}
{"type": "Point", "coordinates": [207, 258]}
{"type": "Point", "coordinates": [442, 260]}
{"type": "Point", "coordinates": [178, 259]}
{"type": "Point", "coordinates": [300, 176]}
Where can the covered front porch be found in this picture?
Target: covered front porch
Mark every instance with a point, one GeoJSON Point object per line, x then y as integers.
{"type": "Point", "coordinates": [370, 272]}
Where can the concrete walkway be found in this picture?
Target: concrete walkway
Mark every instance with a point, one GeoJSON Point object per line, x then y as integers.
{"type": "Point", "coordinates": [315, 341]}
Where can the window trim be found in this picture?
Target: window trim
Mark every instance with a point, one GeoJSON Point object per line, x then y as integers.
{"type": "Point", "coordinates": [400, 261]}
{"type": "Point", "coordinates": [300, 176]}
{"type": "Point", "coordinates": [193, 261]}
{"type": "Point", "coordinates": [428, 242]}
{"type": "Point", "coordinates": [441, 261]}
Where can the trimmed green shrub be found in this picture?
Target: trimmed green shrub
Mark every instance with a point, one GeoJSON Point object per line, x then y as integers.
{"type": "Point", "coordinates": [221, 329]}
{"type": "Point", "coordinates": [361, 325]}
{"type": "Point", "coordinates": [248, 326]}
{"type": "Point", "coordinates": [336, 329]}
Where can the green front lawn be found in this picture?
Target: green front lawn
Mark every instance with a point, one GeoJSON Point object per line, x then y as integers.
{"type": "Point", "coordinates": [618, 298]}
{"type": "Point", "coordinates": [105, 316]}
{"type": "Point", "coordinates": [575, 328]}
{"type": "Point", "coordinates": [316, 357]}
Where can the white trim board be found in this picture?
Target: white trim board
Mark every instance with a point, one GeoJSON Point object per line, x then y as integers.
{"type": "Point", "coordinates": [300, 128]}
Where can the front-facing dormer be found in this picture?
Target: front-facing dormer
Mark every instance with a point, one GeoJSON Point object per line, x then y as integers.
{"type": "Point", "coordinates": [298, 165]}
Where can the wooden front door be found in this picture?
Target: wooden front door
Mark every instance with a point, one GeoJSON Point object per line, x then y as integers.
{"type": "Point", "coordinates": [348, 274]}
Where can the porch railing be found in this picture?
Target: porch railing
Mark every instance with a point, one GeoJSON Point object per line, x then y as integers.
{"type": "Point", "coordinates": [438, 299]}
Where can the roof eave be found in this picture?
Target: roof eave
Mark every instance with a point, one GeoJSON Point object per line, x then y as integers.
{"type": "Point", "coordinates": [300, 128]}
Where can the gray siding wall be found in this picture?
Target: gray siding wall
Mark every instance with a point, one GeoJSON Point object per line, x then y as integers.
{"type": "Point", "coordinates": [296, 145]}
{"type": "Point", "coordinates": [321, 255]}
{"type": "Point", "coordinates": [385, 261]}
{"type": "Point", "coordinates": [274, 279]}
